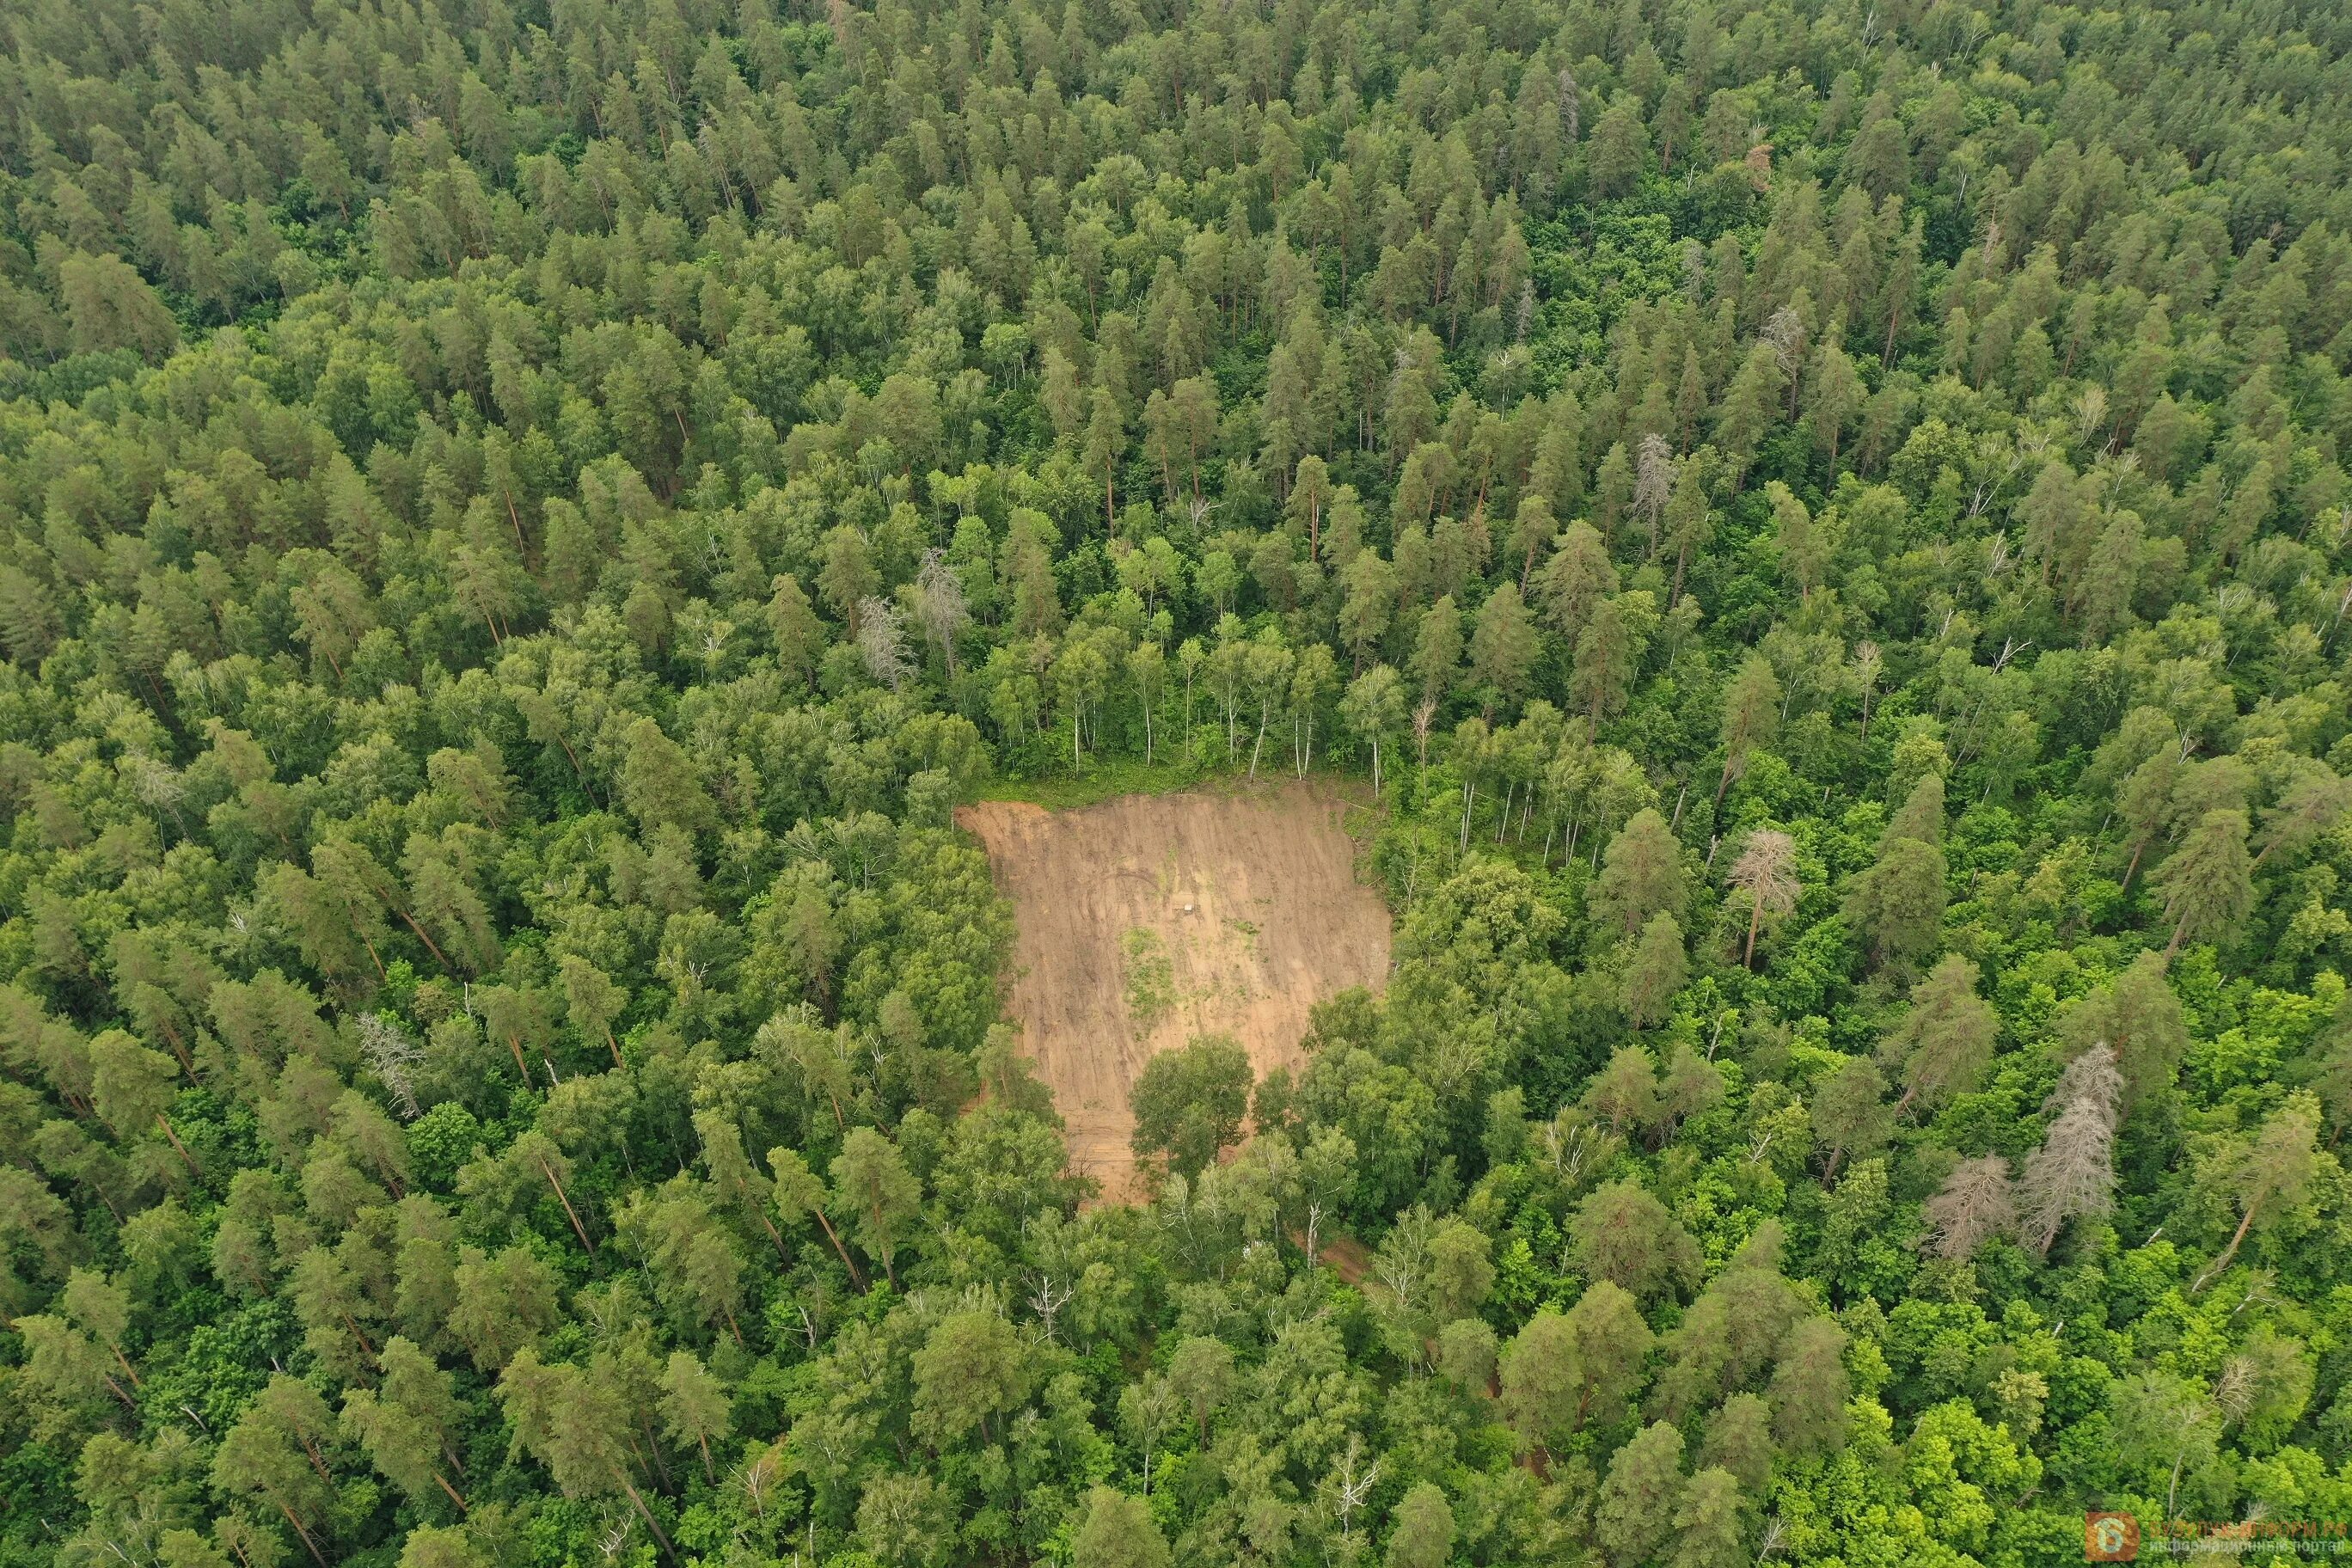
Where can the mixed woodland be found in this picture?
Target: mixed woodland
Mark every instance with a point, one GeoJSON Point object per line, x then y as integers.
{"type": "Point", "coordinates": [1816, 532]}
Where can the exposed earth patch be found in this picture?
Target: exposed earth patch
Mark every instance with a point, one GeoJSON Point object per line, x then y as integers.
{"type": "Point", "coordinates": [1149, 920]}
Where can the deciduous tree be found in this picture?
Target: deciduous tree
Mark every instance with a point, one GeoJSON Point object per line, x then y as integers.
{"type": "Point", "coordinates": [1189, 1102]}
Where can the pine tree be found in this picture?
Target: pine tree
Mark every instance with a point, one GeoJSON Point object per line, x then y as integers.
{"type": "Point", "coordinates": [1849, 1114]}
{"type": "Point", "coordinates": [1437, 648]}
{"type": "Point", "coordinates": [592, 1001]}
{"type": "Point", "coordinates": [1809, 1388]}
{"type": "Point", "coordinates": [361, 889]}
{"type": "Point", "coordinates": [2310, 806]}
{"type": "Point", "coordinates": [798, 1192]}
{"type": "Point", "coordinates": [1369, 603]}
{"type": "Point", "coordinates": [694, 1408]}
{"type": "Point", "coordinates": [2110, 576]}
{"type": "Point", "coordinates": [100, 1308]}
{"type": "Point", "coordinates": [1624, 1093]}
{"type": "Point", "coordinates": [130, 1086]}
{"type": "Point", "coordinates": [1801, 539]}
{"type": "Point", "coordinates": [1542, 1390]}
{"type": "Point", "coordinates": [428, 1546]}
{"type": "Point", "coordinates": [2208, 883]}
{"type": "Point", "coordinates": [970, 1374]}
{"type": "Point", "coordinates": [1945, 1041]}
{"type": "Point", "coordinates": [2139, 1016]}
{"type": "Point", "coordinates": [878, 1191]}
{"type": "Point", "coordinates": [1624, 1234]}
{"type": "Point", "coordinates": [1201, 1372]}
{"type": "Point", "coordinates": [1608, 651]}
{"type": "Point", "coordinates": [1740, 1441]}
{"type": "Point", "coordinates": [578, 1426]}
{"type": "Point", "coordinates": [1691, 1085]}
{"type": "Point", "coordinates": [272, 1456]}
{"type": "Point", "coordinates": [110, 306]}
{"type": "Point", "coordinates": [1612, 490]}
{"type": "Point", "coordinates": [1898, 901]}
{"type": "Point", "coordinates": [503, 1302]}
{"type": "Point", "coordinates": [410, 1428]}
{"type": "Point", "coordinates": [1106, 438]}
{"type": "Point", "coordinates": [1618, 151]}
{"type": "Point", "coordinates": [1749, 406]}
{"type": "Point", "coordinates": [1832, 391]}
{"type": "Point", "coordinates": [1752, 711]}
{"type": "Point", "coordinates": [1640, 1498]}
{"type": "Point", "coordinates": [1503, 644]}
{"type": "Point", "coordinates": [1640, 876]}
{"type": "Point", "coordinates": [1611, 1343]}
{"type": "Point", "coordinates": [794, 630]}
{"type": "Point", "coordinates": [1532, 528]}
{"type": "Point", "coordinates": [697, 1273]}
{"type": "Point", "coordinates": [1709, 1523]}
{"type": "Point", "coordinates": [1689, 521]}
{"type": "Point", "coordinates": [1654, 972]}
{"type": "Point", "coordinates": [2266, 1174]}
{"type": "Point", "coordinates": [2144, 800]}
{"type": "Point", "coordinates": [1576, 578]}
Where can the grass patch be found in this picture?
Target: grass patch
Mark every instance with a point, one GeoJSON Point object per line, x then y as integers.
{"type": "Point", "coordinates": [1150, 978]}
{"type": "Point", "coordinates": [1122, 776]}
{"type": "Point", "coordinates": [1099, 783]}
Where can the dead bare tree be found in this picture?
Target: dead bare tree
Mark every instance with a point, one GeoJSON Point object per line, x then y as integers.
{"type": "Point", "coordinates": [1654, 481]}
{"type": "Point", "coordinates": [1351, 1488]}
{"type": "Point", "coordinates": [2072, 1174]}
{"type": "Point", "coordinates": [939, 604]}
{"type": "Point", "coordinates": [1048, 1299]}
{"type": "Point", "coordinates": [882, 643]}
{"type": "Point", "coordinates": [394, 1058]}
{"type": "Point", "coordinates": [1975, 1204]}
{"type": "Point", "coordinates": [1766, 872]}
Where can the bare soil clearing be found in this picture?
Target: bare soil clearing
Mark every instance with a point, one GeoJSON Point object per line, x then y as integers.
{"type": "Point", "coordinates": [1148, 919]}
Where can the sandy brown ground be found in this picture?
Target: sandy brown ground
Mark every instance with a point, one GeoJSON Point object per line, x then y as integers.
{"type": "Point", "coordinates": [1254, 897]}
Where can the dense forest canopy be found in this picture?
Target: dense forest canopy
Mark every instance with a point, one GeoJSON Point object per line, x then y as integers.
{"type": "Point", "coordinates": [1823, 523]}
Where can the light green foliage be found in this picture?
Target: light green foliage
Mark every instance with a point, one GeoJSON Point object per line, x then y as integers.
{"type": "Point", "coordinates": [1119, 1532]}
{"type": "Point", "coordinates": [1149, 976]}
{"type": "Point", "coordinates": [1189, 1102]}
{"type": "Point", "coordinates": [1423, 1536]}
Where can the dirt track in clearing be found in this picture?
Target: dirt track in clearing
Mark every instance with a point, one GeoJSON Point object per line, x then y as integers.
{"type": "Point", "coordinates": [1251, 896]}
